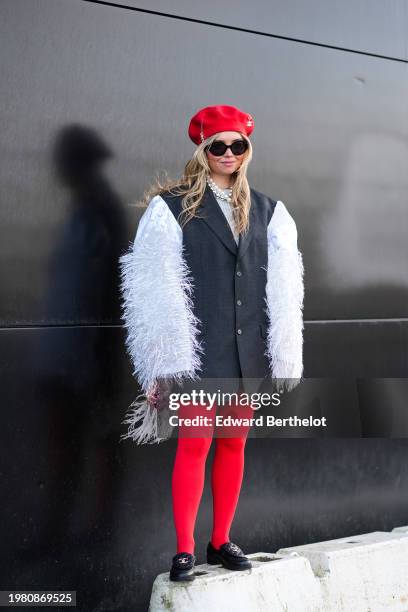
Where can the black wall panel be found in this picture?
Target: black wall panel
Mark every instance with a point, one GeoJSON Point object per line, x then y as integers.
{"type": "Point", "coordinates": [369, 26]}
{"type": "Point", "coordinates": [330, 140]}
{"type": "Point", "coordinates": [95, 100]}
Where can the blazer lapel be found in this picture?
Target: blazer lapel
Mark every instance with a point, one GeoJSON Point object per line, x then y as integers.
{"type": "Point", "coordinates": [214, 217]}
{"type": "Point", "coordinates": [245, 239]}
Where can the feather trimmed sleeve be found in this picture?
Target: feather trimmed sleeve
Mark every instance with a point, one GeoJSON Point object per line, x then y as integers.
{"type": "Point", "coordinates": [284, 300]}
{"type": "Point", "coordinates": [161, 328]}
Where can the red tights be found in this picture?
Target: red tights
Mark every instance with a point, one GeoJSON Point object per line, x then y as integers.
{"type": "Point", "coordinates": [188, 483]}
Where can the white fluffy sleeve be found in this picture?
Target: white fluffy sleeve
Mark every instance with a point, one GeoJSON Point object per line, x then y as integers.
{"type": "Point", "coordinates": [284, 299]}
{"type": "Point", "coordinates": [161, 329]}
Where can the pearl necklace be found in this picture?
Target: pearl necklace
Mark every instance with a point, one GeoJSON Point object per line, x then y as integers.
{"type": "Point", "coordinates": [223, 194]}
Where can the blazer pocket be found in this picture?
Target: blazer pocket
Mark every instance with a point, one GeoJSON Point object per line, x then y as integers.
{"type": "Point", "coordinates": [263, 331]}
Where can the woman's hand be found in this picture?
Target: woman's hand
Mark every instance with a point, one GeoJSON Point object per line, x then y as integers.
{"type": "Point", "coordinates": [159, 394]}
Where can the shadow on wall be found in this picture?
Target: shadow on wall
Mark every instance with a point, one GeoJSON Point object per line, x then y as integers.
{"type": "Point", "coordinates": [76, 363]}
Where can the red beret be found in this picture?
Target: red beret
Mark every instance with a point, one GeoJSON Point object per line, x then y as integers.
{"type": "Point", "coordinates": [213, 119]}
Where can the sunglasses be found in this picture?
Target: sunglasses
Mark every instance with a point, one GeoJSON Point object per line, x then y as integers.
{"type": "Point", "coordinates": [218, 147]}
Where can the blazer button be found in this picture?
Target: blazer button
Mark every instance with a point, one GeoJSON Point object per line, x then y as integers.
{"type": "Point", "coordinates": [239, 273]}
{"type": "Point", "coordinates": [239, 303]}
{"type": "Point", "coordinates": [239, 331]}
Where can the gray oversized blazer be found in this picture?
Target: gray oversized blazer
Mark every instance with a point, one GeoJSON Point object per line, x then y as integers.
{"type": "Point", "coordinates": [196, 305]}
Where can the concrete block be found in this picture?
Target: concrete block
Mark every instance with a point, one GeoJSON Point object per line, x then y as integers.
{"type": "Point", "coordinates": [367, 572]}
{"type": "Point", "coordinates": [403, 529]}
{"type": "Point", "coordinates": [276, 583]}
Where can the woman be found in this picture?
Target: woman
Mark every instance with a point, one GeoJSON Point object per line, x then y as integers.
{"type": "Point", "coordinates": [212, 288]}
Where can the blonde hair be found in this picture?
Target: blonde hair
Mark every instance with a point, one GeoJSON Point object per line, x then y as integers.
{"type": "Point", "coordinates": [193, 183]}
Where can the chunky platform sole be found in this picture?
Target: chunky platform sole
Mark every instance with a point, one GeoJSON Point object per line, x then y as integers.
{"type": "Point", "coordinates": [187, 576]}
{"type": "Point", "coordinates": [214, 558]}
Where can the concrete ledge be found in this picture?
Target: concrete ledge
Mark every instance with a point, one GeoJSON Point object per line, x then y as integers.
{"type": "Point", "coordinates": [269, 585]}
{"type": "Point", "coordinates": [400, 529]}
{"type": "Point", "coordinates": [362, 573]}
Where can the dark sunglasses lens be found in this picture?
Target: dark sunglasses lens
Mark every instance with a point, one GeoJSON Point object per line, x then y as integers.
{"type": "Point", "coordinates": [218, 148]}
{"type": "Point", "coordinates": [239, 147]}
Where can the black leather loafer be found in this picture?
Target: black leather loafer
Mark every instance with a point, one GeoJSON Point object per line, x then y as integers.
{"type": "Point", "coordinates": [183, 567]}
{"type": "Point", "coordinates": [228, 555]}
